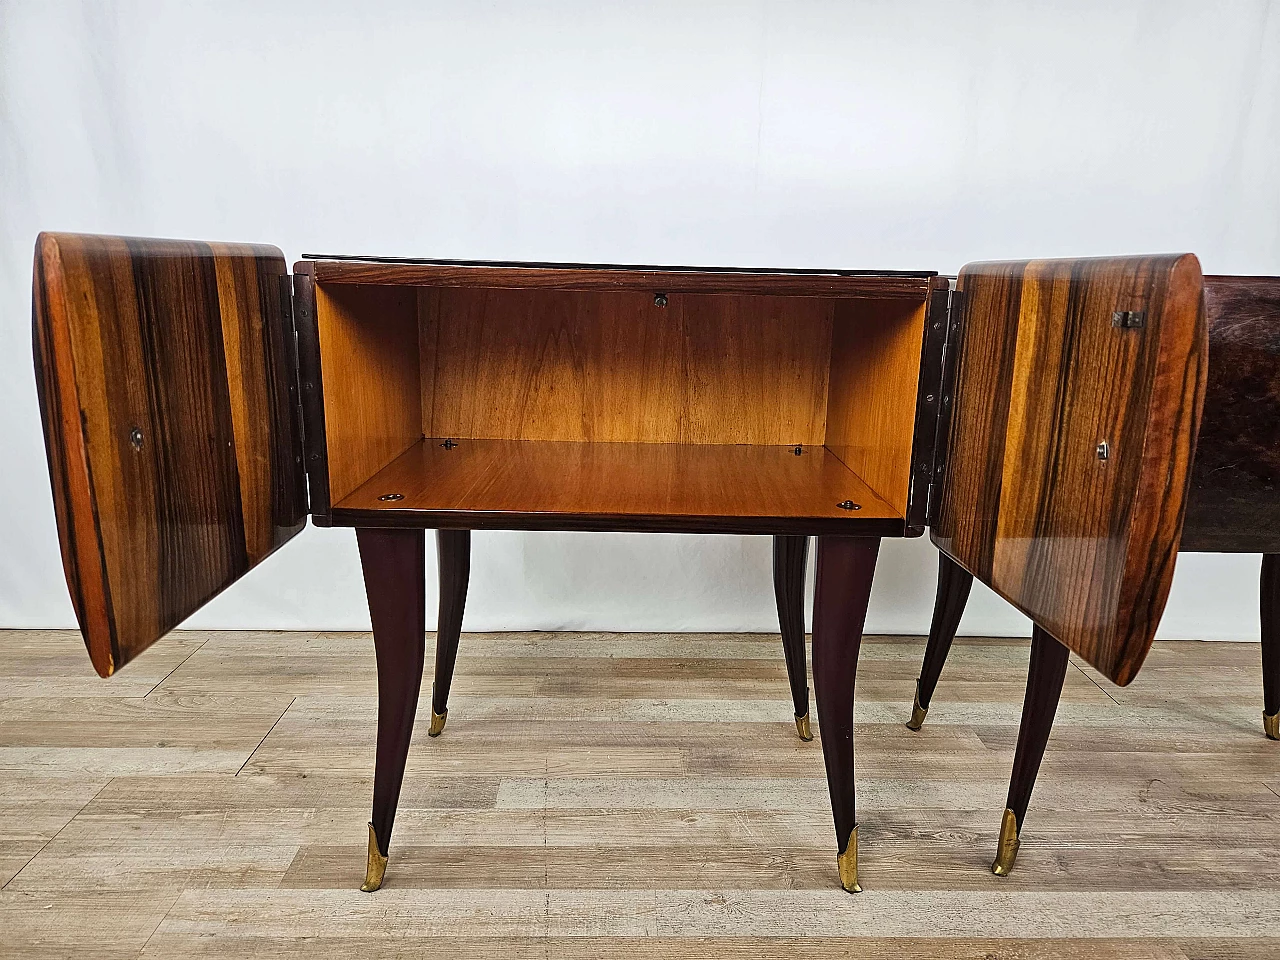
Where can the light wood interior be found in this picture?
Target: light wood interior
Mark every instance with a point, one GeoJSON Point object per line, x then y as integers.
{"type": "Point", "coordinates": [596, 367]}
{"type": "Point", "coordinates": [369, 368]}
{"type": "Point", "coordinates": [663, 480]}
{"type": "Point", "coordinates": [874, 377]}
{"type": "Point", "coordinates": [566, 365]}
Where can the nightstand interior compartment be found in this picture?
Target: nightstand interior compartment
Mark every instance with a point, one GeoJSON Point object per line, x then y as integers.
{"type": "Point", "coordinates": [535, 407]}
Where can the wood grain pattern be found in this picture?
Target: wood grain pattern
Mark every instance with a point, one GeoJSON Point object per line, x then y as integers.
{"type": "Point", "coordinates": [165, 371]}
{"type": "Point", "coordinates": [875, 373]}
{"type": "Point", "coordinates": [372, 394]}
{"type": "Point", "coordinates": [569, 365]}
{"type": "Point", "coordinates": [641, 279]}
{"type": "Point", "coordinates": [1233, 505]}
{"type": "Point", "coordinates": [1085, 546]}
{"type": "Point", "coordinates": [547, 485]}
{"type": "Point", "coordinates": [593, 354]}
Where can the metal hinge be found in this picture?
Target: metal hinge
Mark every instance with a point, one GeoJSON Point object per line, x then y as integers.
{"type": "Point", "coordinates": [1129, 319]}
{"type": "Point", "coordinates": [295, 376]}
{"type": "Point", "coordinates": [946, 403]}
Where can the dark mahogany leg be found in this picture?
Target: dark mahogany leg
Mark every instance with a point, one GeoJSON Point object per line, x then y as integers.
{"type": "Point", "coordinates": [789, 556]}
{"type": "Point", "coordinates": [453, 549]}
{"type": "Point", "coordinates": [1270, 615]}
{"type": "Point", "coordinates": [1045, 676]}
{"type": "Point", "coordinates": [394, 563]}
{"type": "Point", "coordinates": [953, 593]}
{"type": "Point", "coordinates": [846, 566]}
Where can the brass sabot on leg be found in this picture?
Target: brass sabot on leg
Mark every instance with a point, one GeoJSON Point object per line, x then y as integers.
{"type": "Point", "coordinates": [437, 723]}
{"type": "Point", "coordinates": [802, 728]}
{"type": "Point", "coordinates": [847, 862]}
{"type": "Point", "coordinates": [1271, 725]}
{"type": "Point", "coordinates": [918, 713]}
{"type": "Point", "coordinates": [437, 719]}
{"type": "Point", "coordinates": [1007, 850]}
{"type": "Point", "coordinates": [377, 865]}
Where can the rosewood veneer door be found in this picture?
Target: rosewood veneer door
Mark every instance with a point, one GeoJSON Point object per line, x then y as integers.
{"type": "Point", "coordinates": [1077, 402]}
{"type": "Point", "coordinates": [1078, 396]}
{"type": "Point", "coordinates": [165, 372]}
{"type": "Point", "coordinates": [1233, 504]}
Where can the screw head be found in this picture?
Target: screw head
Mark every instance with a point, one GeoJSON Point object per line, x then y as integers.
{"type": "Point", "coordinates": [135, 438]}
{"type": "Point", "coordinates": [659, 299]}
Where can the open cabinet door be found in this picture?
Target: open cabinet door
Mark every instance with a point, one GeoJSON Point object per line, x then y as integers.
{"type": "Point", "coordinates": [167, 387]}
{"type": "Point", "coordinates": [1076, 406]}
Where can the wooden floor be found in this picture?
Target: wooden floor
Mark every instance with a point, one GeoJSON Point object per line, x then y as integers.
{"type": "Point", "coordinates": [635, 796]}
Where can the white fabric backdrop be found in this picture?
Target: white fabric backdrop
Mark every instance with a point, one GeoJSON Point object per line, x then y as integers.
{"type": "Point", "coordinates": [893, 135]}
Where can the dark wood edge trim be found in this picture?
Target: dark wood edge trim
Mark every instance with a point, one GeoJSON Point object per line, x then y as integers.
{"type": "Point", "coordinates": [647, 267]}
{"type": "Point", "coordinates": [675, 281]}
{"type": "Point", "coordinates": [315, 448]}
{"type": "Point", "coordinates": [612, 523]}
{"type": "Point", "coordinates": [1161, 468]}
{"type": "Point", "coordinates": [928, 402]}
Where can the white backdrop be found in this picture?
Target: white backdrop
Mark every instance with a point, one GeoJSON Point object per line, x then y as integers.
{"type": "Point", "coordinates": [858, 135]}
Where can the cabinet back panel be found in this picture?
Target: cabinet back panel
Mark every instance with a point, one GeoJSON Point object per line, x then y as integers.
{"type": "Point", "coordinates": [512, 364]}
{"type": "Point", "coordinates": [875, 371]}
{"type": "Point", "coordinates": [369, 369]}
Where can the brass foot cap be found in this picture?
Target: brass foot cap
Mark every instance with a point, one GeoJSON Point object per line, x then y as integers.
{"type": "Point", "coordinates": [1271, 724]}
{"type": "Point", "coordinates": [437, 723]}
{"type": "Point", "coordinates": [847, 862]}
{"type": "Point", "coordinates": [1007, 850]}
{"type": "Point", "coordinates": [802, 728]}
{"type": "Point", "coordinates": [918, 713]}
{"type": "Point", "coordinates": [377, 866]}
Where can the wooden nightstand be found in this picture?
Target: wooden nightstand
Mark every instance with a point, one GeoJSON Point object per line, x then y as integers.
{"type": "Point", "coordinates": [199, 402]}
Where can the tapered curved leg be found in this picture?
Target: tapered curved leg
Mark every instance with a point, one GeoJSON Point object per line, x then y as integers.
{"type": "Point", "coordinates": [846, 566]}
{"type": "Point", "coordinates": [1045, 676]}
{"type": "Point", "coordinates": [789, 556]}
{"type": "Point", "coordinates": [953, 593]}
{"type": "Point", "coordinates": [1270, 616]}
{"type": "Point", "coordinates": [453, 550]}
{"type": "Point", "coordinates": [394, 564]}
